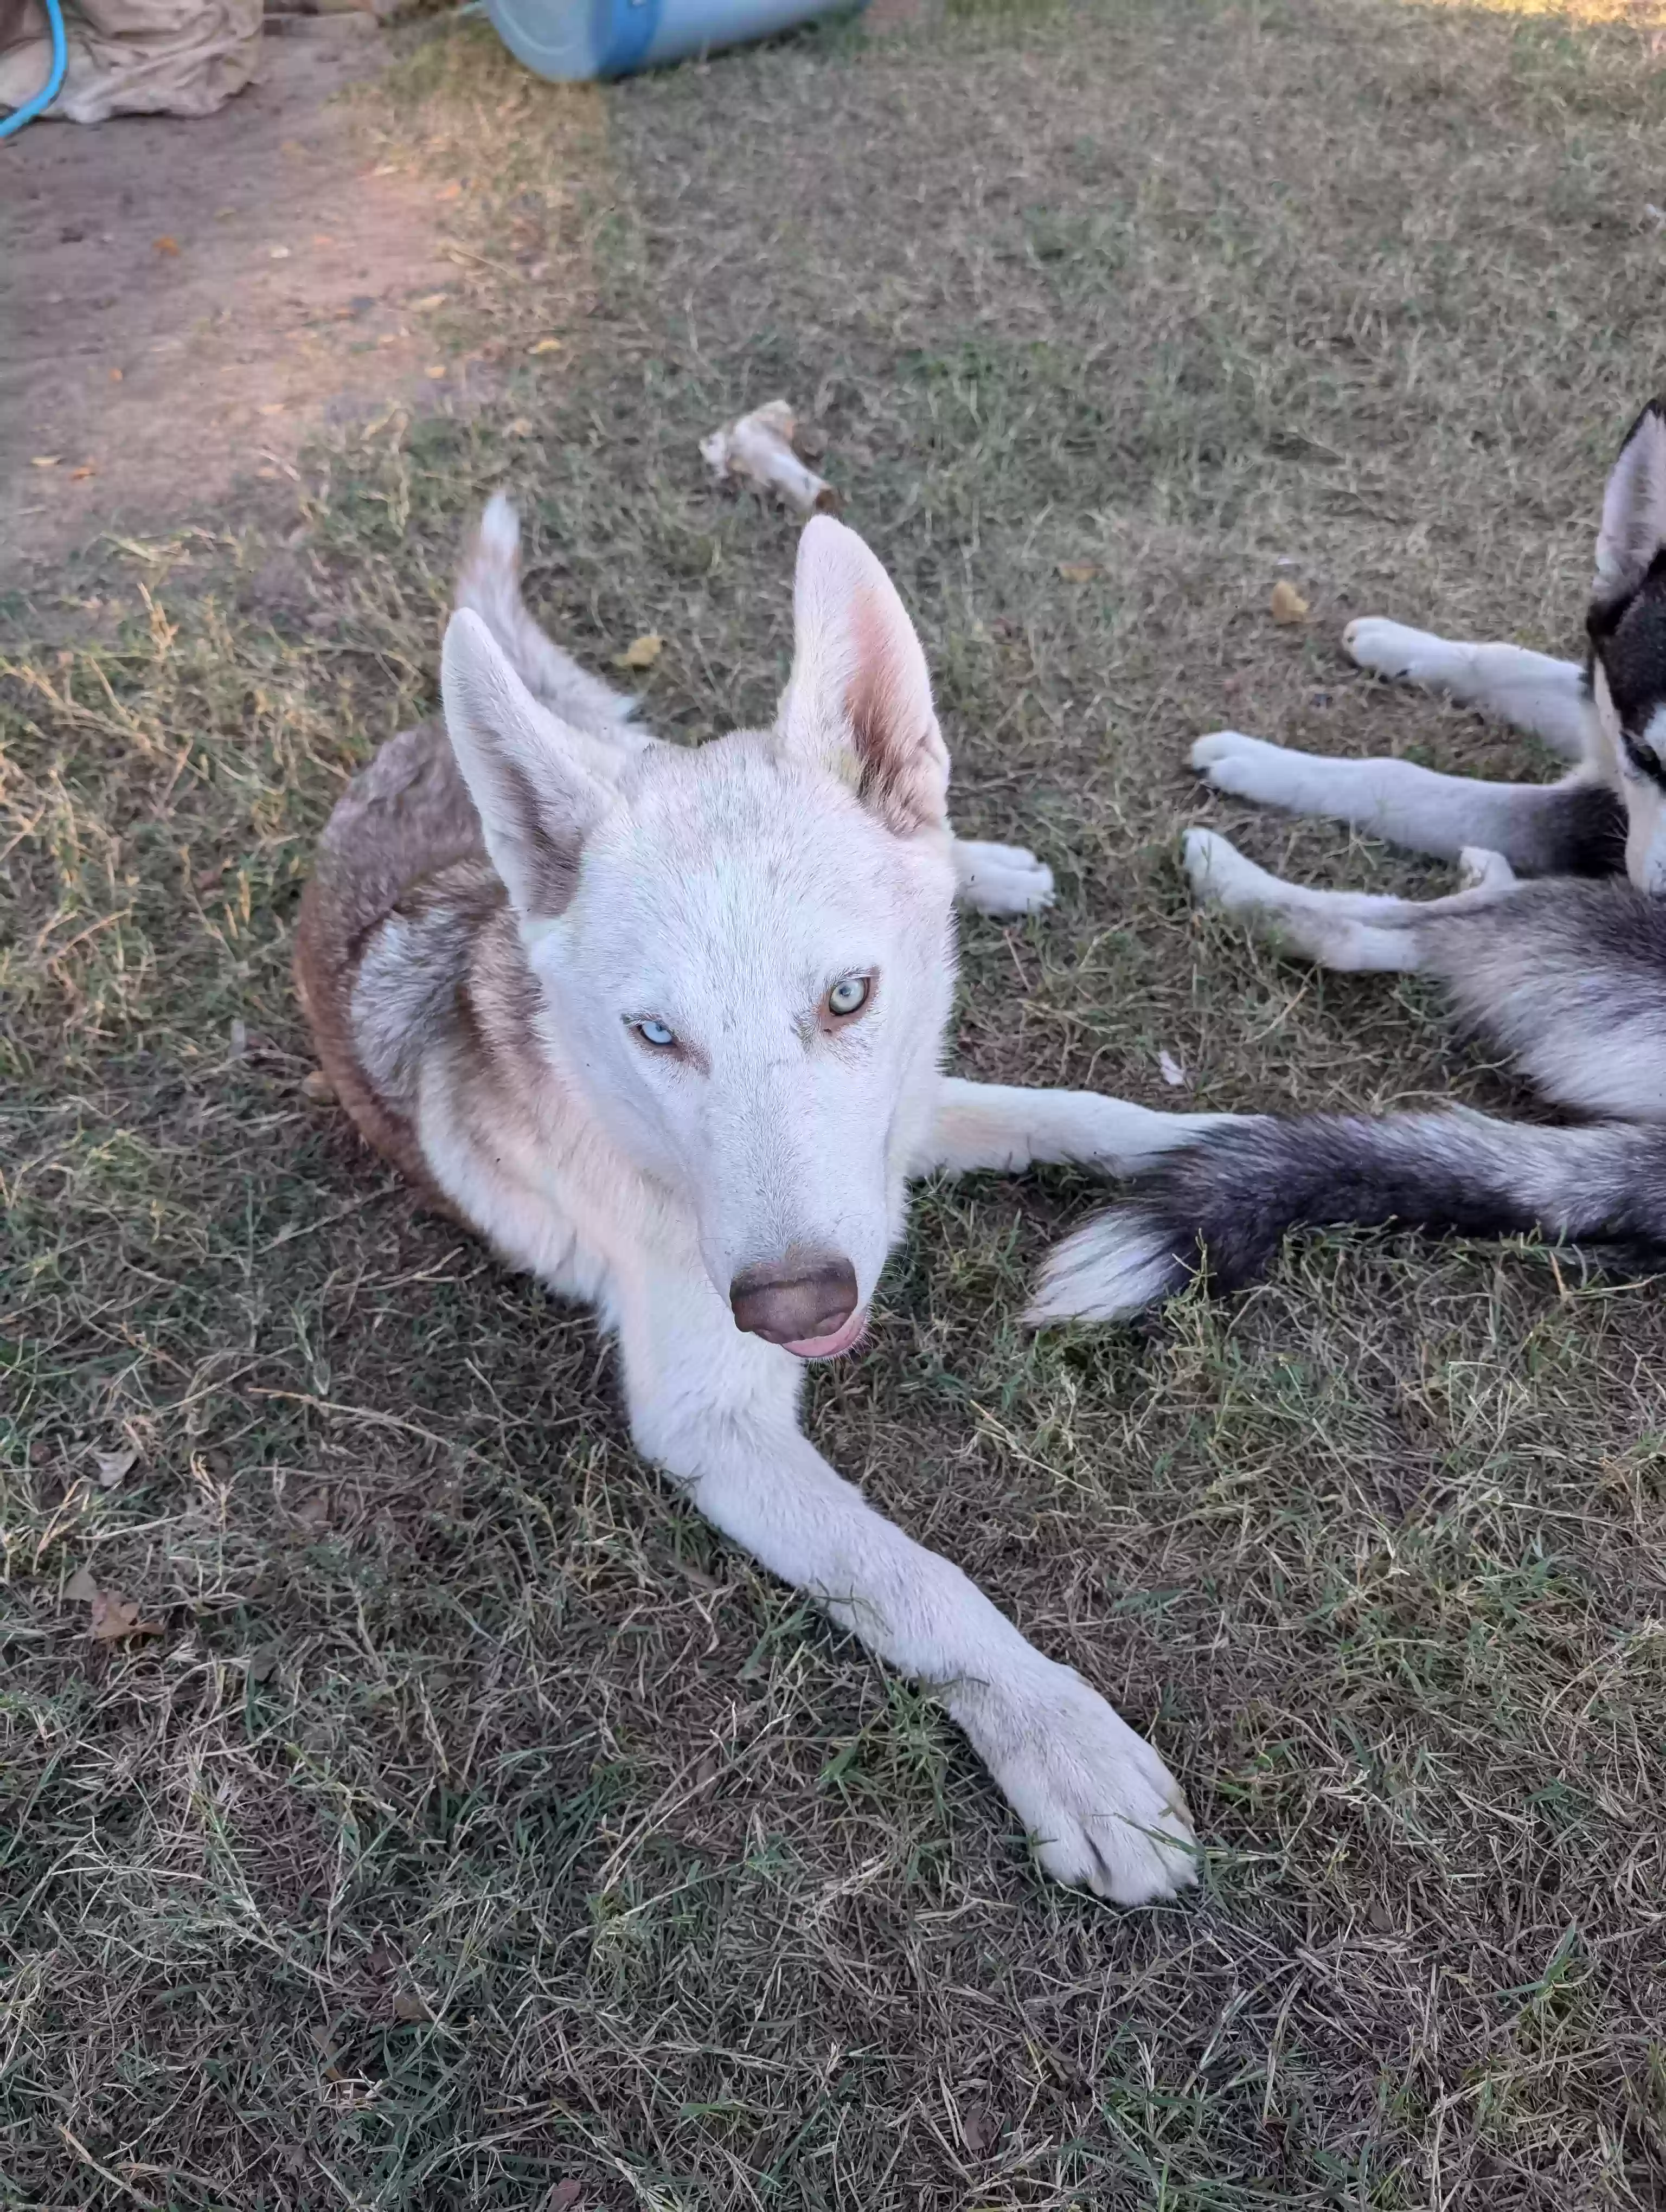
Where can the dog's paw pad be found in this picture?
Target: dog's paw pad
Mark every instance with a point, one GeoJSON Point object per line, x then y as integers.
{"type": "Point", "coordinates": [1103, 1811]}
{"type": "Point", "coordinates": [1247, 768]}
{"type": "Point", "coordinates": [1220, 745]}
{"type": "Point", "coordinates": [1219, 873]}
{"type": "Point", "coordinates": [1387, 648]}
{"type": "Point", "coordinates": [1003, 880]}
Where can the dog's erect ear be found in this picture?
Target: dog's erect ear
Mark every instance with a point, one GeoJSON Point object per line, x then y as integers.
{"type": "Point", "coordinates": [525, 770]}
{"type": "Point", "coordinates": [1635, 505]}
{"type": "Point", "coordinates": [859, 698]}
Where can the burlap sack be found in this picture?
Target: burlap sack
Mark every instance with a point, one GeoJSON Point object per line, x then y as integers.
{"type": "Point", "coordinates": [133, 57]}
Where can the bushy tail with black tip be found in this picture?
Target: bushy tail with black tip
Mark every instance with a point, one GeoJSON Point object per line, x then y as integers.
{"type": "Point", "coordinates": [489, 584]}
{"type": "Point", "coordinates": [1225, 1204]}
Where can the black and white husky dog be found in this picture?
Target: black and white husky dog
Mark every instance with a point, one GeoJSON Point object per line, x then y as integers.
{"type": "Point", "coordinates": [1567, 974]}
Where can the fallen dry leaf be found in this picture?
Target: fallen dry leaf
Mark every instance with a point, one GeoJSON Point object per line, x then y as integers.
{"type": "Point", "coordinates": [45, 461]}
{"type": "Point", "coordinates": [112, 1466]}
{"type": "Point", "coordinates": [271, 475]}
{"type": "Point", "coordinates": [165, 244]}
{"type": "Point", "coordinates": [408, 2006]}
{"type": "Point", "coordinates": [432, 300]}
{"type": "Point", "coordinates": [1171, 1071]}
{"type": "Point", "coordinates": [1287, 603]}
{"type": "Point", "coordinates": [317, 1086]}
{"type": "Point", "coordinates": [520, 428]}
{"type": "Point", "coordinates": [1078, 572]}
{"type": "Point", "coordinates": [641, 652]}
{"type": "Point", "coordinates": [437, 370]}
{"type": "Point", "coordinates": [81, 475]}
{"type": "Point", "coordinates": [271, 407]}
{"type": "Point", "coordinates": [545, 345]}
{"type": "Point", "coordinates": [81, 1589]}
{"type": "Point", "coordinates": [566, 2195]}
{"type": "Point", "coordinates": [115, 1617]}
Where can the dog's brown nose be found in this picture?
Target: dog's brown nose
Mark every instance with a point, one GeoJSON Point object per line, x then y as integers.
{"type": "Point", "coordinates": [796, 1300]}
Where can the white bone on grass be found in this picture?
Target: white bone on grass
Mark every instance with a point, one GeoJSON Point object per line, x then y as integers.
{"type": "Point", "coordinates": [759, 448]}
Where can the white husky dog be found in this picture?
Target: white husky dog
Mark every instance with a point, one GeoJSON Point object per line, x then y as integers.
{"type": "Point", "coordinates": [664, 1024]}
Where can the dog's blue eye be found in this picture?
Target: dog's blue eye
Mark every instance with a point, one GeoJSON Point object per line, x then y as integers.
{"type": "Point", "coordinates": [655, 1033]}
{"type": "Point", "coordinates": [849, 997]}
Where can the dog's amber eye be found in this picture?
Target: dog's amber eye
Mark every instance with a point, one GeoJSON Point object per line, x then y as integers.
{"type": "Point", "coordinates": [656, 1034]}
{"type": "Point", "coordinates": [848, 996]}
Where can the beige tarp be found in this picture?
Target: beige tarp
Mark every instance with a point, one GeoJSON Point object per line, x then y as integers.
{"type": "Point", "coordinates": [133, 57]}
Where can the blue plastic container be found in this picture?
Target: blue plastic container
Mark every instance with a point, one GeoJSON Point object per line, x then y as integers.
{"type": "Point", "coordinates": [611, 38]}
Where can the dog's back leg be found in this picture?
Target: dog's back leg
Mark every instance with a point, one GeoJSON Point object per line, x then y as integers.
{"type": "Point", "coordinates": [1544, 697]}
{"type": "Point", "coordinates": [1572, 828]}
{"type": "Point", "coordinates": [717, 1411]}
{"type": "Point", "coordinates": [1569, 978]}
{"type": "Point", "coordinates": [1355, 932]}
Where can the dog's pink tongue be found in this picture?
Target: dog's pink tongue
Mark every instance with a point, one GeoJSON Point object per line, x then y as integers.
{"type": "Point", "coordinates": [830, 1347]}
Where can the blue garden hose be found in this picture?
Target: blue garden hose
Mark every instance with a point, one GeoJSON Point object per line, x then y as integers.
{"type": "Point", "coordinates": [54, 84]}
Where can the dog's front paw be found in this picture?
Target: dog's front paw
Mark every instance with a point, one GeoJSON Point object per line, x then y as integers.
{"type": "Point", "coordinates": [1002, 878]}
{"type": "Point", "coordinates": [1220, 875]}
{"type": "Point", "coordinates": [1390, 648]}
{"type": "Point", "coordinates": [1247, 768]}
{"type": "Point", "coordinates": [1103, 1811]}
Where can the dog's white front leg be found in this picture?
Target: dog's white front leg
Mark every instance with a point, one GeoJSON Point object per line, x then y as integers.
{"type": "Point", "coordinates": [997, 1124]}
{"type": "Point", "coordinates": [718, 1412]}
{"type": "Point", "coordinates": [1539, 827]}
{"type": "Point", "coordinates": [1530, 691]}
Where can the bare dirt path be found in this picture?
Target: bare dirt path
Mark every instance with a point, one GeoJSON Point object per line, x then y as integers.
{"type": "Point", "coordinates": [183, 302]}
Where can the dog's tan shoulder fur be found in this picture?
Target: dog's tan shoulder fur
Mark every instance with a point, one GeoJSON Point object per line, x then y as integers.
{"type": "Point", "coordinates": [403, 840]}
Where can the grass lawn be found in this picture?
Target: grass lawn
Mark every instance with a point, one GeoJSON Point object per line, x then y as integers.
{"type": "Point", "coordinates": [475, 1831]}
